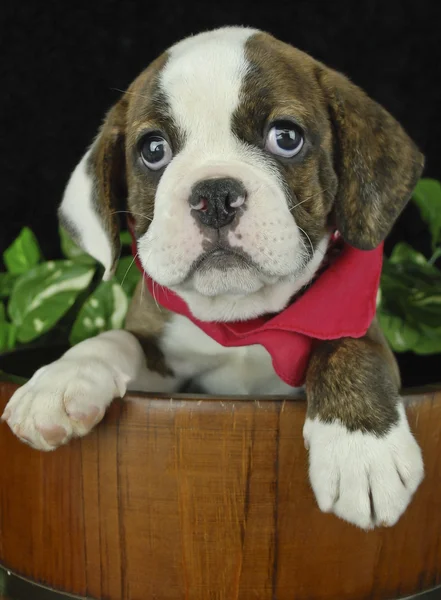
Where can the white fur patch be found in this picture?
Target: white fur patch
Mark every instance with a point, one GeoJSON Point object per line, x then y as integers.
{"type": "Point", "coordinates": [201, 81]}
{"type": "Point", "coordinates": [69, 396]}
{"type": "Point", "coordinates": [345, 468]}
{"type": "Point", "coordinates": [203, 78]}
{"type": "Point", "coordinates": [246, 370]}
{"type": "Point", "coordinates": [268, 299]}
{"type": "Point", "coordinates": [77, 208]}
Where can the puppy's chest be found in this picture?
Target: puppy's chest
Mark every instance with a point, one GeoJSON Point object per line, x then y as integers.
{"type": "Point", "coordinates": [194, 356]}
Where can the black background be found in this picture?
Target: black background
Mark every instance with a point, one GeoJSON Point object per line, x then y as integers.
{"type": "Point", "coordinates": [62, 64]}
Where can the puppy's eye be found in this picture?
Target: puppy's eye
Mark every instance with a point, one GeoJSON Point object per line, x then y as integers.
{"type": "Point", "coordinates": [284, 139]}
{"type": "Point", "coordinates": [155, 151]}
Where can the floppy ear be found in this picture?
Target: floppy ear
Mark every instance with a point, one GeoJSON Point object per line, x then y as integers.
{"type": "Point", "coordinates": [95, 191]}
{"type": "Point", "coordinates": [377, 164]}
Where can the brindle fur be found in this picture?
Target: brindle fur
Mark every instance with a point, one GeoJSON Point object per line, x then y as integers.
{"type": "Point", "coordinates": [357, 173]}
{"type": "Point", "coordinates": [355, 381]}
{"type": "Point", "coordinates": [360, 166]}
{"type": "Point", "coordinates": [281, 83]}
{"type": "Point", "coordinates": [146, 320]}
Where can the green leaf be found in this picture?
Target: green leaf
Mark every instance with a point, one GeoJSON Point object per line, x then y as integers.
{"type": "Point", "coordinates": [125, 238]}
{"type": "Point", "coordinates": [429, 342]}
{"type": "Point", "coordinates": [8, 336]}
{"type": "Point", "coordinates": [71, 250]}
{"type": "Point", "coordinates": [411, 264]}
{"type": "Point", "coordinates": [427, 195]}
{"type": "Point", "coordinates": [7, 281]}
{"type": "Point", "coordinates": [399, 334]}
{"type": "Point", "coordinates": [410, 306]}
{"type": "Point", "coordinates": [105, 309]}
{"type": "Point", "coordinates": [8, 331]}
{"type": "Point", "coordinates": [404, 336]}
{"type": "Point", "coordinates": [43, 295]}
{"type": "Point", "coordinates": [402, 252]}
{"type": "Point", "coordinates": [13, 379]}
{"type": "Point", "coordinates": [23, 254]}
{"type": "Point", "coordinates": [128, 275]}
{"type": "Point", "coordinates": [435, 256]}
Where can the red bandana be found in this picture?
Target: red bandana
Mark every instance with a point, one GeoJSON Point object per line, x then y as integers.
{"type": "Point", "coordinates": [341, 302]}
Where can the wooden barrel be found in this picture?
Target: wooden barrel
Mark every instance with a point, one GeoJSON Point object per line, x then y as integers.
{"type": "Point", "coordinates": [201, 499]}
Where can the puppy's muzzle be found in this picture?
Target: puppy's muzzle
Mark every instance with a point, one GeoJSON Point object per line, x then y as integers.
{"type": "Point", "coordinates": [214, 202]}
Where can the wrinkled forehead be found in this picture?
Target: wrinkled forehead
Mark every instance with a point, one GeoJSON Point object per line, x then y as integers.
{"type": "Point", "coordinates": [205, 83]}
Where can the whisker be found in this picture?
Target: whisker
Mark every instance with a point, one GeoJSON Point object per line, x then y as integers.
{"type": "Point", "coordinates": [306, 258]}
{"type": "Point", "coordinates": [143, 286]}
{"type": "Point", "coordinates": [130, 266]}
{"type": "Point", "coordinates": [264, 186]}
{"type": "Point", "coordinates": [154, 295]}
{"type": "Point", "coordinates": [309, 240]}
{"type": "Point", "coordinates": [145, 273]}
{"type": "Point", "coordinates": [299, 203]}
{"type": "Point", "coordinates": [146, 242]}
{"type": "Point", "coordinates": [130, 212]}
{"type": "Point", "coordinates": [309, 198]}
{"type": "Point", "coordinates": [130, 93]}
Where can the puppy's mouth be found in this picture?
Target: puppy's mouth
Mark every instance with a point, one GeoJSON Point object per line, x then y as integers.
{"type": "Point", "coordinates": [222, 258]}
{"type": "Point", "coordinates": [225, 270]}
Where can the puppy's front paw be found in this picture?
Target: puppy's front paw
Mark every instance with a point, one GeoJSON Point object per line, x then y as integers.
{"type": "Point", "coordinates": [364, 479]}
{"type": "Point", "coordinates": [64, 399]}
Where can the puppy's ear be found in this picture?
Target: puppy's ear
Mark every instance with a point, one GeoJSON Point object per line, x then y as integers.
{"type": "Point", "coordinates": [95, 191]}
{"type": "Point", "coordinates": [377, 164]}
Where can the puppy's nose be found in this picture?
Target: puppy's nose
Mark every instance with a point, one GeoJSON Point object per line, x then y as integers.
{"type": "Point", "coordinates": [214, 202]}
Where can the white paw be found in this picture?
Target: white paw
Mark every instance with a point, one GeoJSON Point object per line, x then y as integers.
{"type": "Point", "coordinates": [364, 479]}
{"type": "Point", "coordinates": [64, 399]}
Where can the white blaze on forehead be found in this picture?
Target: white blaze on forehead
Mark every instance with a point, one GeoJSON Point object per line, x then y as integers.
{"type": "Point", "coordinates": [202, 81]}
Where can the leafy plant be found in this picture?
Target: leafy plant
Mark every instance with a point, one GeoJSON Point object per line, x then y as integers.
{"type": "Point", "coordinates": [409, 309]}
{"type": "Point", "coordinates": [61, 297]}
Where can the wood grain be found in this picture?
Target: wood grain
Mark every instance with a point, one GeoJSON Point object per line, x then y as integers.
{"type": "Point", "coordinates": [206, 499]}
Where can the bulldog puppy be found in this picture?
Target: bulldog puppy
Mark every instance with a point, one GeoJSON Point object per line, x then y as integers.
{"type": "Point", "coordinates": [240, 159]}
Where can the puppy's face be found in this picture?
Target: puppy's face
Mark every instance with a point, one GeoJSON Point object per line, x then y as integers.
{"type": "Point", "coordinates": [237, 155]}
{"type": "Point", "coordinates": [230, 160]}
{"type": "Point", "coordinates": [229, 165]}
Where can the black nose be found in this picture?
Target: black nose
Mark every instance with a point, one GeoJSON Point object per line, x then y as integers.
{"type": "Point", "coordinates": [215, 201]}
